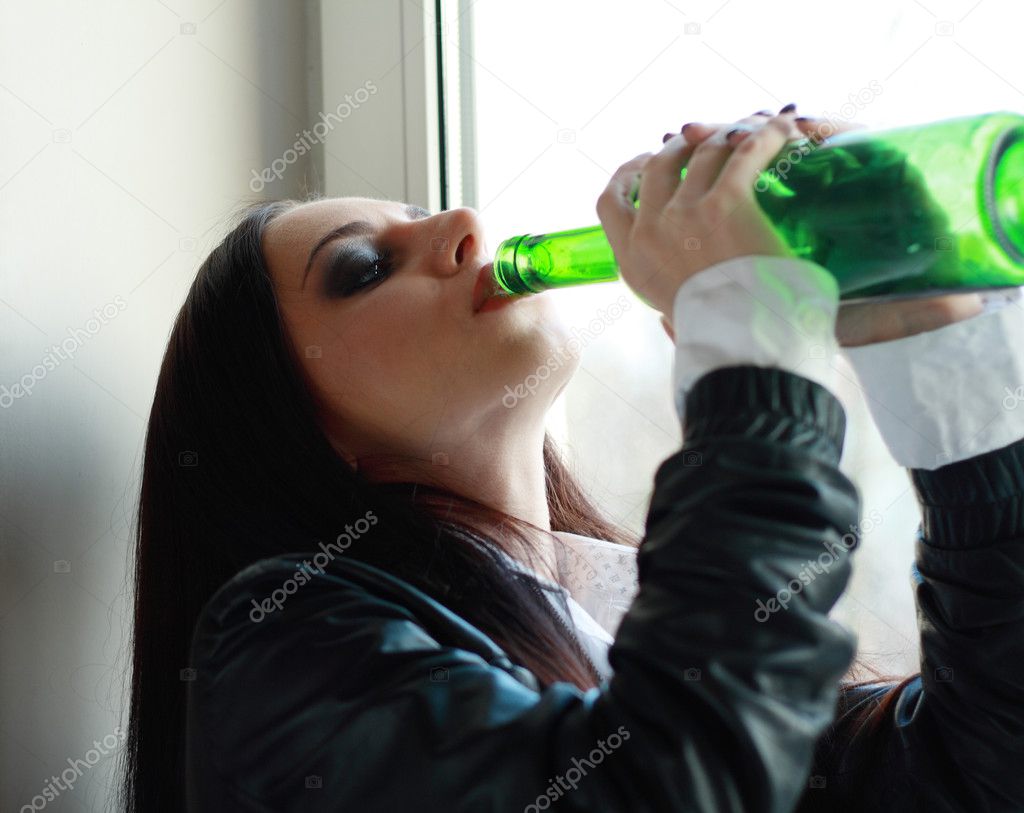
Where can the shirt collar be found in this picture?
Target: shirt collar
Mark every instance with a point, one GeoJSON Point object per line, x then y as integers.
{"type": "Point", "coordinates": [599, 575]}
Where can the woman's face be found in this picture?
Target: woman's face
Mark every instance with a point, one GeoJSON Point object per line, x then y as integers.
{"type": "Point", "coordinates": [378, 300]}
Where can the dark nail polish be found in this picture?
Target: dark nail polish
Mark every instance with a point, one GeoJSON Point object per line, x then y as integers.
{"type": "Point", "coordinates": [731, 133]}
{"type": "Point", "coordinates": [789, 108]}
{"type": "Point", "coordinates": [801, 118]}
{"type": "Point", "coordinates": [666, 137]}
{"type": "Point", "coordinates": [683, 128]}
{"type": "Point", "coordinates": [763, 113]}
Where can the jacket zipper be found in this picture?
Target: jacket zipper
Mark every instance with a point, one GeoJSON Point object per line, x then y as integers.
{"type": "Point", "coordinates": [572, 633]}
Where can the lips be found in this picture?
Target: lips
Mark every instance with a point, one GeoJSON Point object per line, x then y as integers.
{"type": "Point", "coordinates": [485, 287]}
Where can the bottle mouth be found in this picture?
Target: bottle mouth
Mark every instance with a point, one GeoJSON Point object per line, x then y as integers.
{"type": "Point", "coordinates": [506, 271]}
{"type": "Point", "coordinates": [1004, 193]}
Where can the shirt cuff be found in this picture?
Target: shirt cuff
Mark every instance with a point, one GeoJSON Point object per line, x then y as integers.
{"type": "Point", "coordinates": [948, 394]}
{"type": "Point", "coordinates": [760, 310]}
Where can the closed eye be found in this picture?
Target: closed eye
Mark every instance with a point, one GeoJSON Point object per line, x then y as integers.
{"type": "Point", "coordinates": [356, 269]}
{"type": "Point", "coordinates": [343, 281]}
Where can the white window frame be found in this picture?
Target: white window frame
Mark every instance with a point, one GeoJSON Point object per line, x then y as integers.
{"type": "Point", "coordinates": [391, 146]}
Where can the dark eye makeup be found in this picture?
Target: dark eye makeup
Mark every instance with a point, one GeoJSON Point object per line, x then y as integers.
{"type": "Point", "coordinates": [355, 267]}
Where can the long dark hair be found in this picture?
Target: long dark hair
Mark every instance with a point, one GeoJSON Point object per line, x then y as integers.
{"type": "Point", "coordinates": [237, 468]}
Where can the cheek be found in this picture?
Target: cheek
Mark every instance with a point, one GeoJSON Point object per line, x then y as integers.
{"type": "Point", "coordinates": [386, 363]}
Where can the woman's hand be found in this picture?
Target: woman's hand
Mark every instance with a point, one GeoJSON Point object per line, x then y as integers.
{"type": "Point", "coordinates": [683, 227]}
{"type": "Point", "coordinates": [869, 322]}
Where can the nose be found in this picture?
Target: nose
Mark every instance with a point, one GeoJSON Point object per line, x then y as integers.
{"type": "Point", "coordinates": [457, 241]}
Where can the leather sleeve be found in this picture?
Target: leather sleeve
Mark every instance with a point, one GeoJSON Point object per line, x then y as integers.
{"type": "Point", "coordinates": [709, 709]}
{"type": "Point", "coordinates": [950, 738]}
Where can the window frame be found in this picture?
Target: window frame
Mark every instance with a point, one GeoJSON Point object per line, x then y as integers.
{"type": "Point", "coordinates": [418, 57]}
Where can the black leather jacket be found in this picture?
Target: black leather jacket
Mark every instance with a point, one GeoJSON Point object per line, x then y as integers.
{"type": "Point", "coordinates": [364, 694]}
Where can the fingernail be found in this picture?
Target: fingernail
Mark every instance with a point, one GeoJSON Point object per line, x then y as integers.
{"type": "Point", "coordinates": [666, 137]}
{"type": "Point", "coordinates": [763, 113]}
{"type": "Point", "coordinates": [683, 128]}
{"type": "Point", "coordinates": [731, 133]}
{"type": "Point", "coordinates": [789, 108]}
{"type": "Point", "coordinates": [801, 118]}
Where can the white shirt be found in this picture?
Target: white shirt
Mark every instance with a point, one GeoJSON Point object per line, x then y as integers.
{"type": "Point", "coordinates": [931, 398]}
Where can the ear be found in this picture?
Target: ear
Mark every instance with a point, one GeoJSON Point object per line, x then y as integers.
{"type": "Point", "coordinates": [665, 323]}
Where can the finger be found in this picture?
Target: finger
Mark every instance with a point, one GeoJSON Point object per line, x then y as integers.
{"type": "Point", "coordinates": [713, 151]}
{"type": "Point", "coordinates": [939, 311]}
{"type": "Point", "coordinates": [665, 323]}
{"type": "Point", "coordinates": [870, 322]}
{"type": "Point", "coordinates": [661, 174]}
{"type": "Point", "coordinates": [867, 322]}
{"type": "Point", "coordinates": [819, 129]}
{"type": "Point", "coordinates": [614, 208]}
{"type": "Point", "coordinates": [752, 155]}
{"type": "Point", "coordinates": [695, 132]}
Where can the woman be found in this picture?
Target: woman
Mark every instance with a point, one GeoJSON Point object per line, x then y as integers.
{"type": "Point", "coordinates": [349, 550]}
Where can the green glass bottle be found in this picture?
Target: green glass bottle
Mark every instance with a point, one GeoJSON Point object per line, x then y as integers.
{"type": "Point", "coordinates": [907, 211]}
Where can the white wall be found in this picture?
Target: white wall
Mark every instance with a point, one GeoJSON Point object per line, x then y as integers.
{"type": "Point", "coordinates": [125, 141]}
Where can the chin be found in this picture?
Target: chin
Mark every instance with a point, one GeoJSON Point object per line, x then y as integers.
{"type": "Point", "coordinates": [533, 350]}
{"type": "Point", "coordinates": [533, 319]}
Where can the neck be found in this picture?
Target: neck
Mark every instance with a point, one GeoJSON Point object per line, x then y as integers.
{"type": "Point", "coordinates": [499, 463]}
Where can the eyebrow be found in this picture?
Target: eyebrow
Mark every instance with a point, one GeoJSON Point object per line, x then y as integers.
{"type": "Point", "coordinates": [354, 229]}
